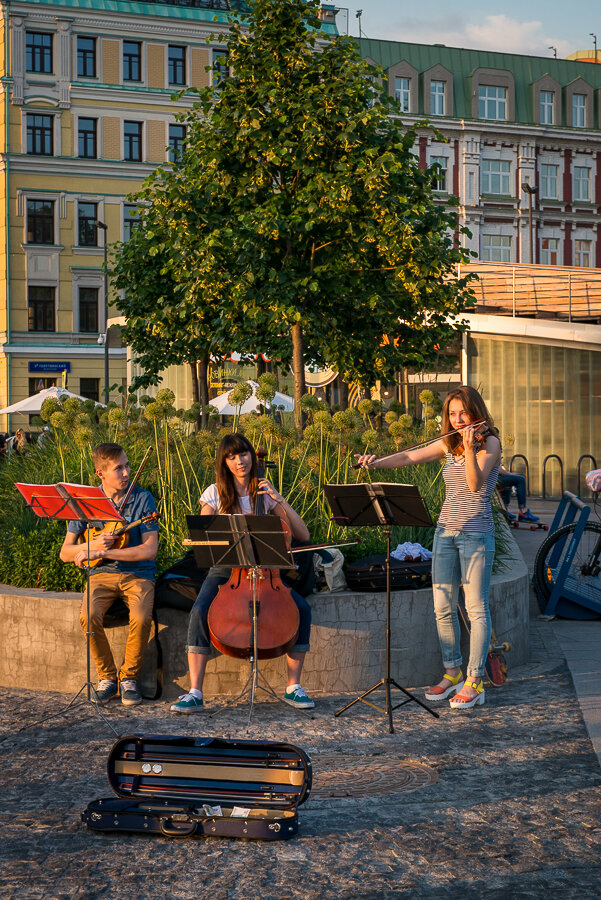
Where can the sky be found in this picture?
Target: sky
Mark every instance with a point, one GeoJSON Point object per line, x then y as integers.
{"type": "Point", "coordinates": [515, 26]}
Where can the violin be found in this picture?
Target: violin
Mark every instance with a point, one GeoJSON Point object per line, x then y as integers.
{"type": "Point", "coordinates": [230, 617]}
{"type": "Point", "coordinates": [476, 425]}
{"type": "Point", "coordinates": [117, 531]}
{"type": "Point", "coordinates": [481, 432]}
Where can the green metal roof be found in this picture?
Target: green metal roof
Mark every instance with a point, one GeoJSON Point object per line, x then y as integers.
{"type": "Point", "coordinates": [462, 63]}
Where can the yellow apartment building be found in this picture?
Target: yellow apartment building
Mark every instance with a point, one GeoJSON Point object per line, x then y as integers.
{"type": "Point", "coordinates": [86, 114]}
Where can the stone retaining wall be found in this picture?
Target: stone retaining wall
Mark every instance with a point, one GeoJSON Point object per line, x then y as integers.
{"type": "Point", "coordinates": [41, 643]}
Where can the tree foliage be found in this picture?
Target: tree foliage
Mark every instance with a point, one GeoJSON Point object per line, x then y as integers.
{"type": "Point", "coordinates": [297, 220]}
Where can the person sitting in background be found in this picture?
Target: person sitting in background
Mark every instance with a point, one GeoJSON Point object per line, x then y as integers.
{"type": "Point", "coordinates": [18, 442]}
{"type": "Point", "coordinates": [505, 482]}
{"type": "Point", "coordinates": [3, 447]}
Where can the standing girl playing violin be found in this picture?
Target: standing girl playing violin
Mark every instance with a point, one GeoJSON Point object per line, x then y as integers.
{"type": "Point", "coordinates": [235, 492]}
{"type": "Point", "coordinates": [464, 541]}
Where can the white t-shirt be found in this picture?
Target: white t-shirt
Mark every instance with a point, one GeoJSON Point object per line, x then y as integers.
{"type": "Point", "coordinates": [210, 496]}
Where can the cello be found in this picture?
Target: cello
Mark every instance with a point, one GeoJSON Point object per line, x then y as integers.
{"type": "Point", "coordinates": [230, 617]}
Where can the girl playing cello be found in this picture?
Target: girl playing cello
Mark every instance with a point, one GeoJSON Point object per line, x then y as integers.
{"type": "Point", "coordinates": [464, 540]}
{"type": "Point", "coordinates": [235, 492]}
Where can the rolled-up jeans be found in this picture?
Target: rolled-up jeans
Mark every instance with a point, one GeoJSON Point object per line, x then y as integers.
{"type": "Point", "coordinates": [466, 558]}
{"type": "Point", "coordinates": [199, 639]}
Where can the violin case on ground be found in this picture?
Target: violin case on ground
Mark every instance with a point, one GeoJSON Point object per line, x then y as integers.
{"type": "Point", "coordinates": [203, 787]}
{"type": "Point", "coordinates": [369, 574]}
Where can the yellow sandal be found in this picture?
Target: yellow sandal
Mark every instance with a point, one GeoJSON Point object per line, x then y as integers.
{"type": "Point", "coordinates": [460, 702]}
{"type": "Point", "coordinates": [438, 693]}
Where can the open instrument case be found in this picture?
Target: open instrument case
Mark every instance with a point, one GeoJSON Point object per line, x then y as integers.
{"type": "Point", "coordinates": [186, 786]}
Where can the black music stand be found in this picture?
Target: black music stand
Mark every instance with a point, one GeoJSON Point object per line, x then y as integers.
{"type": "Point", "coordinates": [242, 542]}
{"type": "Point", "coordinates": [385, 505]}
{"type": "Point", "coordinates": [81, 503]}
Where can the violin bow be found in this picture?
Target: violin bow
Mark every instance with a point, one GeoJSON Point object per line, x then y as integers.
{"type": "Point", "coordinates": [421, 444]}
{"type": "Point", "coordinates": [134, 480]}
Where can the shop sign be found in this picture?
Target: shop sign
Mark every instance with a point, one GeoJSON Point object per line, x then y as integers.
{"type": "Point", "coordinates": [49, 366]}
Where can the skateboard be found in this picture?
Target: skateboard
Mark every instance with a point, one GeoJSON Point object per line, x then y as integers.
{"type": "Point", "coordinates": [496, 664]}
{"type": "Point", "coordinates": [532, 526]}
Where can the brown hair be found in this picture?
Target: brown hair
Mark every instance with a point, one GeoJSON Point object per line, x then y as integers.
{"type": "Point", "coordinates": [230, 445]}
{"type": "Point", "coordinates": [475, 407]}
{"type": "Point", "coordinates": [105, 453]}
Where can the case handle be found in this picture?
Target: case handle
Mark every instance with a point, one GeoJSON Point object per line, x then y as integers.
{"type": "Point", "coordinates": [183, 829]}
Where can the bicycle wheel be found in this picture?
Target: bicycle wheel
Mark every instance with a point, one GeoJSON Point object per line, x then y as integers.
{"type": "Point", "coordinates": [583, 577]}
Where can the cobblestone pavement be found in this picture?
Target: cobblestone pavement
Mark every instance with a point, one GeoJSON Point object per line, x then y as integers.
{"type": "Point", "coordinates": [505, 801]}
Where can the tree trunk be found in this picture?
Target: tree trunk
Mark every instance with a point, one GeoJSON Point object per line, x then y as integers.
{"type": "Point", "coordinates": [261, 365]}
{"type": "Point", "coordinates": [298, 364]}
{"type": "Point", "coordinates": [343, 393]}
{"type": "Point", "coordinates": [195, 394]}
{"type": "Point", "coordinates": [202, 369]}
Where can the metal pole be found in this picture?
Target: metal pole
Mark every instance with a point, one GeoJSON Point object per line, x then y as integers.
{"type": "Point", "coordinates": [530, 226]}
{"type": "Point", "coordinates": [106, 312]}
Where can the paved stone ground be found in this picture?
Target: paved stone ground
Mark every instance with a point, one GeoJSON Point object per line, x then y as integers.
{"type": "Point", "coordinates": [505, 802]}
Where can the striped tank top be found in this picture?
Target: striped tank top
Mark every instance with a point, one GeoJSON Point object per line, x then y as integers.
{"type": "Point", "coordinates": [462, 508]}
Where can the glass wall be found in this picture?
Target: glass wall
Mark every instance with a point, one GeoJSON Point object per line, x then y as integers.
{"type": "Point", "coordinates": [545, 400]}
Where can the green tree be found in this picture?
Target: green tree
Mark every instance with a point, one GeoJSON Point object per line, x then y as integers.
{"type": "Point", "coordinates": [297, 220]}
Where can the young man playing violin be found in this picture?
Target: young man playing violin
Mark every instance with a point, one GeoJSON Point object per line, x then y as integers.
{"type": "Point", "coordinates": [126, 573]}
{"type": "Point", "coordinates": [235, 492]}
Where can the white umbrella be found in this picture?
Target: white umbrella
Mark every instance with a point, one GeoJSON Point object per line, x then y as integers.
{"type": "Point", "coordinates": [225, 408]}
{"type": "Point", "coordinates": [32, 406]}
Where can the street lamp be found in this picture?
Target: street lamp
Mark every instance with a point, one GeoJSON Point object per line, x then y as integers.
{"type": "Point", "coordinates": [358, 15]}
{"type": "Point", "coordinates": [530, 190]}
{"type": "Point", "coordinates": [106, 312]}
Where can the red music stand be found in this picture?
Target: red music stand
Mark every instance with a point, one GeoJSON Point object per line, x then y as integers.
{"type": "Point", "coordinates": [82, 503]}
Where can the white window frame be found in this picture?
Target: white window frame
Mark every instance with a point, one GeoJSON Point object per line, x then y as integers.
{"type": "Point", "coordinates": [402, 92]}
{"type": "Point", "coordinates": [581, 184]}
{"type": "Point", "coordinates": [549, 181]}
{"type": "Point", "coordinates": [583, 250]}
{"type": "Point", "coordinates": [578, 110]}
{"type": "Point", "coordinates": [492, 102]}
{"type": "Point", "coordinates": [547, 102]}
{"type": "Point", "coordinates": [495, 247]}
{"type": "Point", "coordinates": [437, 97]}
{"type": "Point", "coordinates": [443, 162]}
{"type": "Point", "coordinates": [547, 252]}
{"type": "Point", "coordinates": [495, 177]}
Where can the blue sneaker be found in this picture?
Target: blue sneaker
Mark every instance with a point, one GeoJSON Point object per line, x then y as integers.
{"type": "Point", "coordinates": [187, 704]}
{"type": "Point", "coordinates": [510, 516]}
{"type": "Point", "coordinates": [298, 698]}
{"type": "Point", "coordinates": [527, 517]}
{"type": "Point", "coordinates": [104, 691]}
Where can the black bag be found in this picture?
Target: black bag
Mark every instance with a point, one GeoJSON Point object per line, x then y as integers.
{"type": "Point", "coordinates": [172, 785]}
{"type": "Point", "coordinates": [178, 586]}
{"type": "Point", "coordinates": [369, 574]}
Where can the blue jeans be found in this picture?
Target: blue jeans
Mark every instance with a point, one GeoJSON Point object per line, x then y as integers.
{"type": "Point", "coordinates": [199, 639]}
{"type": "Point", "coordinates": [465, 558]}
{"type": "Point", "coordinates": [506, 482]}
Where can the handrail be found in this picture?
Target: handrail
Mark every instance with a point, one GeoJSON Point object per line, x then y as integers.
{"type": "Point", "coordinates": [545, 460]}
{"type": "Point", "coordinates": [521, 456]}
{"type": "Point", "coordinates": [579, 463]}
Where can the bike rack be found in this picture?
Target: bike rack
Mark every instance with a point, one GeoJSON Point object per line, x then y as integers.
{"type": "Point", "coordinates": [545, 461]}
{"type": "Point", "coordinates": [579, 463]}
{"type": "Point", "coordinates": [521, 456]}
{"type": "Point", "coordinates": [563, 596]}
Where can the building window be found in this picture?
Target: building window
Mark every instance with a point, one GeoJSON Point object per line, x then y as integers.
{"type": "Point", "coordinates": [177, 65]}
{"type": "Point", "coordinates": [437, 105]}
{"type": "Point", "coordinates": [40, 221]}
{"type": "Point", "coordinates": [39, 135]}
{"type": "Point", "coordinates": [581, 182]}
{"type": "Point", "coordinates": [220, 66]}
{"type": "Point", "coordinates": [546, 107]}
{"type": "Point", "coordinates": [177, 136]}
{"type": "Point", "coordinates": [132, 141]}
{"type": "Point", "coordinates": [86, 57]}
{"type": "Point", "coordinates": [130, 221]}
{"type": "Point", "coordinates": [492, 102]}
{"type": "Point", "coordinates": [496, 248]}
{"type": "Point", "coordinates": [548, 181]}
{"type": "Point", "coordinates": [87, 229]}
{"type": "Point", "coordinates": [549, 251]}
{"type": "Point", "coordinates": [582, 253]}
{"type": "Point", "coordinates": [89, 388]}
{"type": "Point", "coordinates": [578, 110]}
{"type": "Point", "coordinates": [41, 384]}
{"type": "Point", "coordinates": [88, 310]}
{"type": "Point", "coordinates": [87, 146]}
{"type": "Point", "coordinates": [132, 61]}
{"type": "Point", "coordinates": [402, 92]}
{"type": "Point", "coordinates": [440, 181]}
{"type": "Point", "coordinates": [38, 52]}
{"type": "Point", "coordinates": [495, 176]}
{"type": "Point", "coordinates": [40, 301]}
